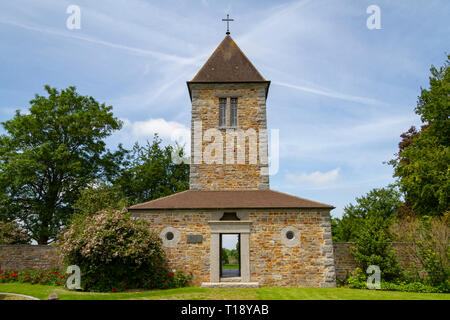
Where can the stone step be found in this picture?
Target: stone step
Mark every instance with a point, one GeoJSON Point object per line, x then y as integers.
{"type": "Point", "coordinates": [231, 279]}
{"type": "Point", "coordinates": [230, 285]}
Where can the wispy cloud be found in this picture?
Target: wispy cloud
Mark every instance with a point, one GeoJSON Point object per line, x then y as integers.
{"type": "Point", "coordinates": [314, 178]}
{"type": "Point", "coordinates": [135, 50]}
{"type": "Point", "coordinates": [330, 93]}
{"type": "Point", "coordinates": [315, 139]}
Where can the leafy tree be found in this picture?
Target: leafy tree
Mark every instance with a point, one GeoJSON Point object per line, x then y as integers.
{"type": "Point", "coordinates": [225, 257]}
{"type": "Point", "coordinates": [373, 246]}
{"type": "Point", "coordinates": [12, 233]}
{"type": "Point", "coordinates": [149, 172]}
{"type": "Point", "coordinates": [380, 203]}
{"type": "Point", "coordinates": [49, 154]}
{"type": "Point", "coordinates": [422, 164]}
{"type": "Point", "coordinates": [100, 197]}
{"type": "Point", "coordinates": [367, 224]}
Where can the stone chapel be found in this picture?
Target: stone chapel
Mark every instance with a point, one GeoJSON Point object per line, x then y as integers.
{"type": "Point", "coordinates": [283, 240]}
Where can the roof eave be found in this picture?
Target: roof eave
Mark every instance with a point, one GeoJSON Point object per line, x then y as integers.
{"type": "Point", "coordinates": [230, 208]}
{"type": "Point", "coordinates": [221, 82]}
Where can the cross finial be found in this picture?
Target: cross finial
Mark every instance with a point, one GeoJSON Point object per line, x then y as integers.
{"type": "Point", "coordinates": [228, 23]}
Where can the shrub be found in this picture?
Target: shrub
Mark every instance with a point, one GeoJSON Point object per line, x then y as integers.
{"type": "Point", "coordinates": [373, 247]}
{"type": "Point", "coordinates": [12, 233]}
{"type": "Point", "coordinates": [358, 280]}
{"type": "Point", "coordinates": [116, 252]}
{"type": "Point", "coordinates": [413, 287]}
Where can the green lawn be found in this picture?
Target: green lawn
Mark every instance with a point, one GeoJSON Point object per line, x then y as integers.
{"type": "Point", "coordinates": [230, 266]}
{"type": "Point", "coordinates": [196, 293]}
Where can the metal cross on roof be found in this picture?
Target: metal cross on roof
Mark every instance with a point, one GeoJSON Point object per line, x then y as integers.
{"type": "Point", "coordinates": [228, 23]}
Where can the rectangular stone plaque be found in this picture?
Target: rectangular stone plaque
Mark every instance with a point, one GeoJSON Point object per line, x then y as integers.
{"type": "Point", "coordinates": [194, 238]}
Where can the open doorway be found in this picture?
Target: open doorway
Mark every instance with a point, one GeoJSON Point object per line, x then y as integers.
{"type": "Point", "coordinates": [230, 255]}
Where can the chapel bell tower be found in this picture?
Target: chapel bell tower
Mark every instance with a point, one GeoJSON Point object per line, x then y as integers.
{"type": "Point", "coordinates": [229, 147]}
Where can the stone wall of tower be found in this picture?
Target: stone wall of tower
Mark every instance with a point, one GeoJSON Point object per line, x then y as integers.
{"type": "Point", "coordinates": [249, 171]}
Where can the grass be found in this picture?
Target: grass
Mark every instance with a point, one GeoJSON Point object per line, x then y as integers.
{"type": "Point", "coordinates": [230, 266]}
{"type": "Point", "coordinates": [196, 293]}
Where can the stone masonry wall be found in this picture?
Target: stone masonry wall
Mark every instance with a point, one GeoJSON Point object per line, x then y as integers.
{"type": "Point", "coordinates": [195, 257]}
{"type": "Point", "coordinates": [20, 257]}
{"type": "Point", "coordinates": [186, 257]}
{"type": "Point", "coordinates": [310, 263]}
{"type": "Point", "coordinates": [343, 259]}
{"type": "Point", "coordinates": [345, 263]}
{"type": "Point", "coordinates": [244, 173]}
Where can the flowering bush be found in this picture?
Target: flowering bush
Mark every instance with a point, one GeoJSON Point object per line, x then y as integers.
{"type": "Point", "coordinates": [116, 252]}
{"type": "Point", "coordinates": [51, 277]}
{"type": "Point", "coordinates": [11, 233]}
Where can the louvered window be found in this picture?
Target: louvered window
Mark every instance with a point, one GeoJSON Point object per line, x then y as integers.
{"type": "Point", "coordinates": [222, 112]}
{"type": "Point", "coordinates": [233, 112]}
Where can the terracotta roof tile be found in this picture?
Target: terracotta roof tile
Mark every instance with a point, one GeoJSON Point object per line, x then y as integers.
{"type": "Point", "coordinates": [194, 199]}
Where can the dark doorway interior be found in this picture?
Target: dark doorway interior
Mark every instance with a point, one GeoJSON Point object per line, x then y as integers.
{"type": "Point", "coordinates": [230, 255]}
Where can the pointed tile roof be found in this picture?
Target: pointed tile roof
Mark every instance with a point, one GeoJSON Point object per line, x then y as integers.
{"type": "Point", "coordinates": [228, 64]}
{"type": "Point", "coordinates": [254, 199]}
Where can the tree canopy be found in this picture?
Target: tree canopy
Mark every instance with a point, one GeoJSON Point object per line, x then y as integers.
{"type": "Point", "coordinates": [379, 205]}
{"type": "Point", "coordinates": [422, 164]}
{"type": "Point", "coordinates": [149, 172]}
{"type": "Point", "coordinates": [49, 154]}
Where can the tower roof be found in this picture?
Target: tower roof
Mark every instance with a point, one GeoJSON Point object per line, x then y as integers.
{"type": "Point", "coordinates": [228, 64]}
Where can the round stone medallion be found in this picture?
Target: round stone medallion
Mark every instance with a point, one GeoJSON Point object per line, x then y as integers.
{"type": "Point", "coordinates": [170, 236]}
{"type": "Point", "coordinates": [290, 236]}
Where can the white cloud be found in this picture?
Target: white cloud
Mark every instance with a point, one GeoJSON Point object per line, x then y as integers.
{"type": "Point", "coordinates": [167, 130]}
{"type": "Point", "coordinates": [315, 178]}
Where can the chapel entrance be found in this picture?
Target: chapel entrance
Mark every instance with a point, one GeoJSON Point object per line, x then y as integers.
{"type": "Point", "coordinates": [230, 255]}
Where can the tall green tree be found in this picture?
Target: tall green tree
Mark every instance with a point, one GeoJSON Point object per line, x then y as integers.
{"type": "Point", "coordinates": [366, 223]}
{"type": "Point", "coordinates": [49, 154]}
{"type": "Point", "coordinates": [373, 246]}
{"type": "Point", "coordinates": [150, 172]}
{"type": "Point", "coordinates": [422, 164]}
{"type": "Point", "coordinates": [378, 205]}
{"type": "Point", "coordinates": [225, 257]}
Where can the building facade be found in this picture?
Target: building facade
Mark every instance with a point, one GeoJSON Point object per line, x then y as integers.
{"type": "Point", "coordinates": [283, 240]}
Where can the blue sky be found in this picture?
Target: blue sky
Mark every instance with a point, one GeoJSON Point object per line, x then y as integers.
{"type": "Point", "coordinates": [341, 94]}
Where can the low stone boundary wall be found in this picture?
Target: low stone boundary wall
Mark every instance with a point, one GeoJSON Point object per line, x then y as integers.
{"type": "Point", "coordinates": [20, 257]}
{"type": "Point", "coordinates": [344, 262]}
